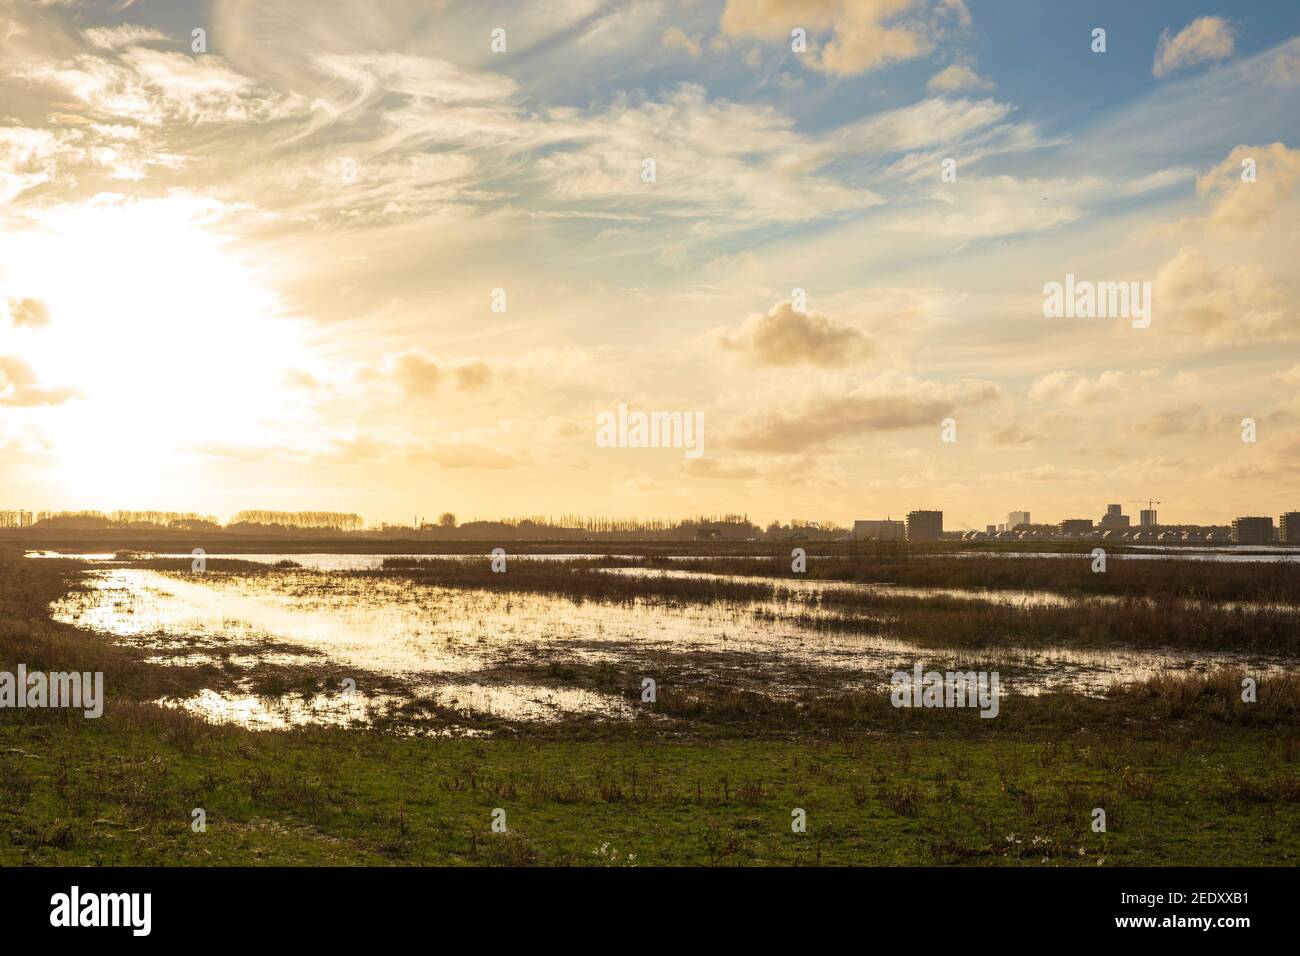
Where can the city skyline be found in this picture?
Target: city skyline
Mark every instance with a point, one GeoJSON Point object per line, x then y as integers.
{"type": "Point", "coordinates": [14, 519]}
{"type": "Point", "coordinates": [260, 256]}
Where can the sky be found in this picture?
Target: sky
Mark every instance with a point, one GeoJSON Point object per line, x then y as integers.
{"type": "Point", "coordinates": [399, 258]}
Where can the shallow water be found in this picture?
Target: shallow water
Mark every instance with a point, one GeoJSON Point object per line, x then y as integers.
{"type": "Point", "coordinates": [351, 562]}
{"type": "Point", "coordinates": [457, 646]}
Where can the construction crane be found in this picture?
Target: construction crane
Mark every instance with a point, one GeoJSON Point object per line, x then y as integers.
{"type": "Point", "coordinates": [1150, 510]}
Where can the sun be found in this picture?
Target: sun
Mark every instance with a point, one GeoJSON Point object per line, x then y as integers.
{"type": "Point", "coordinates": [173, 341]}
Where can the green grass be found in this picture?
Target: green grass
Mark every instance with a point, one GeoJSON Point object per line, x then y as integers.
{"type": "Point", "coordinates": [1186, 772]}
{"type": "Point", "coordinates": [75, 793]}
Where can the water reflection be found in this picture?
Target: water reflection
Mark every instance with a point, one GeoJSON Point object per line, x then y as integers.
{"type": "Point", "coordinates": [458, 646]}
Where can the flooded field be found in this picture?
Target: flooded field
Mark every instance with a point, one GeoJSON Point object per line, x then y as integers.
{"type": "Point", "coordinates": [405, 644]}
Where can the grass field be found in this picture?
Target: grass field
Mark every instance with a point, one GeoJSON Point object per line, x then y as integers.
{"type": "Point", "coordinates": [1185, 771]}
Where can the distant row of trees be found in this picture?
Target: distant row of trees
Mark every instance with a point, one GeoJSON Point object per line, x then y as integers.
{"type": "Point", "coordinates": [303, 520]}
{"type": "Point", "coordinates": [570, 527]}
{"type": "Point", "coordinates": [88, 520]}
{"type": "Point", "coordinates": [811, 530]}
{"type": "Point", "coordinates": [603, 525]}
{"type": "Point", "coordinates": [188, 521]}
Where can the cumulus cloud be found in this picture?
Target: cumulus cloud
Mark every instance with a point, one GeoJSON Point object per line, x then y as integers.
{"type": "Point", "coordinates": [417, 373]}
{"type": "Point", "coordinates": [31, 313]}
{"type": "Point", "coordinates": [1172, 420]}
{"type": "Point", "coordinates": [957, 77]}
{"type": "Point", "coordinates": [785, 337]}
{"type": "Point", "coordinates": [1204, 39]}
{"type": "Point", "coordinates": [472, 375]}
{"type": "Point", "coordinates": [1232, 305]}
{"type": "Point", "coordinates": [861, 35]}
{"type": "Point", "coordinates": [1277, 170]}
{"type": "Point", "coordinates": [1072, 388]}
{"type": "Point", "coordinates": [1024, 431]}
{"type": "Point", "coordinates": [19, 387]}
{"type": "Point", "coordinates": [889, 404]}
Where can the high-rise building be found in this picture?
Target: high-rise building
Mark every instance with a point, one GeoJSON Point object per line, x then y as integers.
{"type": "Point", "coordinates": [879, 530]}
{"type": "Point", "coordinates": [1017, 518]}
{"type": "Point", "coordinates": [924, 525]}
{"type": "Point", "coordinates": [1289, 527]}
{"type": "Point", "coordinates": [1076, 525]}
{"type": "Point", "coordinates": [1252, 530]}
{"type": "Point", "coordinates": [1147, 518]}
{"type": "Point", "coordinates": [1114, 517]}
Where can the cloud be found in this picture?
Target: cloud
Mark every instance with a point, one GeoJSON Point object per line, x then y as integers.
{"type": "Point", "coordinates": [116, 6]}
{"type": "Point", "coordinates": [1174, 420]}
{"type": "Point", "coordinates": [713, 468]}
{"type": "Point", "coordinates": [957, 77]}
{"type": "Point", "coordinates": [889, 404]}
{"type": "Point", "coordinates": [623, 24]}
{"type": "Point", "coordinates": [417, 373]}
{"type": "Point", "coordinates": [785, 337]}
{"type": "Point", "coordinates": [675, 39]}
{"type": "Point", "coordinates": [994, 206]}
{"type": "Point", "coordinates": [863, 35]}
{"type": "Point", "coordinates": [1072, 388]}
{"type": "Point", "coordinates": [1024, 431]}
{"type": "Point", "coordinates": [1232, 306]}
{"type": "Point", "coordinates": [1284, 68]}
{"type": "Point", "coordinates": [31, 313]}
{"type": "Point", "coordinates": [301, 378]}
{"type": "Point", "coordinates": [1046, 473]}
{"type": "Point", "coordinates": [418, 76]}
{"type": "Point", "coordinates": [28, 157]}
{"type": "Point", "coordinates": [472, 375]}
{"type": "Point", "coordinates": [466, 455]}
{"type": "Point", "coordinates": [1204, 39]}
{"type": "Point", "coordinates": [114, 38]}
{"type": "Point", "coordinates": [932, 121]}
{"type": "Point", "coordinates": [1248, 203]}
{"type": "Point", "coordinates": [352, 447]}
{"type": "Point", "coordinates": [729, 162]}
{"type": "Point", "coordinates": [18, 386]}
{"type": "Point", "coordinates": [154, 87]}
